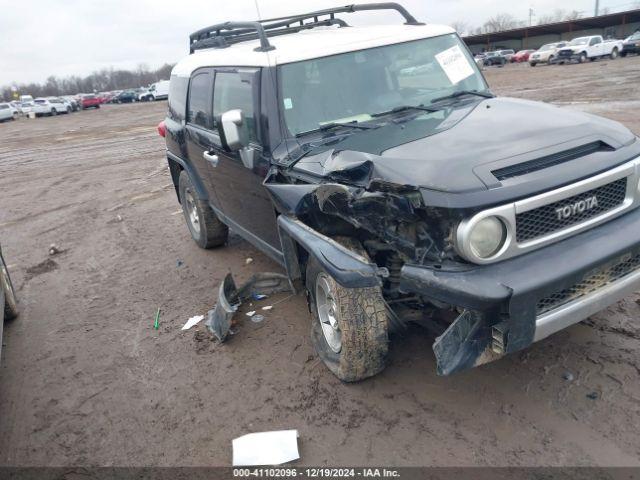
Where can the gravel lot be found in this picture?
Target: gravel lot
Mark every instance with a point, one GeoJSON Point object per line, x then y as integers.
{"type": "Point", "coordinates": [86, 380]}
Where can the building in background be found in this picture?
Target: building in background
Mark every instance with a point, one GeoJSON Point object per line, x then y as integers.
{"type": "Point", "coordinates": [617, 25]}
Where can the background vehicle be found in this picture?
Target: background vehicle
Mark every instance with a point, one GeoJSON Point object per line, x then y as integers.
{"type": "Point", "coordinates": [26, 98]}
{"type": "Point", "coordinates": [631, 45]}
{"type": "Point", "coordinates": [522, 56]}
{"type": "Point", "coordinates": [50, 106]}
{"type": "Point", "coordinates": [128, 96]}
{"type": "Point", "coordinates": [479, 58]}
{"type": "Point", "coordinates": [17, 106]}
{"type": "Point", "coordinates": [27, 107]}
{"type": "Point", "coordinates": [72, 102]}
{"type": "Point", "coordinates": [8, 302]}
{"type": "Point", "coordinates": [591, 48]}
{"type": "Point", "coordinates": [546, 54]}
{"type": "Point", "coordinates": [156, 91]}
{"type": "Point", "coordinates": [508, 54]}
{"type": "Point", "coordinates": [6, 112]}
{"type": "Point", "coordinates": [327, 174]}
{"type": "Point", "coordinates": [90, 101]}
{"type": "Point", "coordinates": [494, 58]}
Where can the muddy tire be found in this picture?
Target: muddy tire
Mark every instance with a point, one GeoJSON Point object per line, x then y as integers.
{"type": "Point", "coordinates": [349, 326]}
{"type": "Point", "coordinates": [205, 227]}
{"type": "Point", "coordinates": [10, 301]}
{"type": "Point", "coordinates": [583, 57]}
{"type": "Point", "coordinates": [614, 54]}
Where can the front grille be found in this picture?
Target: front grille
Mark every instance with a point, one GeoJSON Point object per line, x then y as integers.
{"type": "Point", "coordinates": [546, 220]}
{"type": "Point", "coordinates": [590, 282]}
{"type": "Point", "coordinates": [565, 53]}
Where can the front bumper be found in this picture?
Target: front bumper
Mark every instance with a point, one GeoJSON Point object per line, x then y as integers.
{"type": "Point", "coordinates": [508, 298]}
{"type": "Point", "coordinates": [631, 48]}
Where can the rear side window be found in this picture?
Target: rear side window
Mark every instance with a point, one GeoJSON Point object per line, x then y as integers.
{"type": "Point", "coordinates": [178, 97]}
{"type": "Point", "coordinates": [234, 91]}
{"type": "Point", "coordinates": [200, 100]}
{"type": "Point", "coordinates": [3, 106]}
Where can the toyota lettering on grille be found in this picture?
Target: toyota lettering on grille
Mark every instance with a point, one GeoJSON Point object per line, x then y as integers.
{"type": "Point", "coordinates": [577, 208]}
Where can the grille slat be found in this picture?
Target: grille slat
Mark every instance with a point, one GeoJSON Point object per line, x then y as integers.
{"type": "Point", "coordinates": [590, 283]}
{"type": "Point", "coordinates": [546, 220]}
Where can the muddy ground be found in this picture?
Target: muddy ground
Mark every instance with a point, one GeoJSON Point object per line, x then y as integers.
{"type": "Point", "coordinates": [86, 380]}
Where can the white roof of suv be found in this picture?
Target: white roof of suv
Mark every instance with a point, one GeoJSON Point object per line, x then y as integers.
{"type": "Point", "coordinates": [305, 45]}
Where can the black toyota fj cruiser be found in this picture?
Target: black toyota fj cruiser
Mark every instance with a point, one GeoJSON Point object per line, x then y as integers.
{"type": "Point", "coordinates": [377, 167]}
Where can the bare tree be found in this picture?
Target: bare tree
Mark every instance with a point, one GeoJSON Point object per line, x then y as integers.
{"type": "Point", "coordinates": [499, 23]}
{"type": "Point", "coordinates": [461, 27]}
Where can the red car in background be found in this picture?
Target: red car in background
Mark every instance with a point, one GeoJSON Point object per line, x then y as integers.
{"type": "Point", "coordinates": [522, 56]}
{"type": "Point", "coordinates": [90, 101]}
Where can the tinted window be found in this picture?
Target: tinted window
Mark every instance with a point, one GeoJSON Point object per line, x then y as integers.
{"type": "Point", "coordinates": [178, 97]}
{"type": "Point", "coordinates": [200, 100]}
{"type": "Point", "coordinates": [233, 91]}
{"type": "Point", "coordinates": [3, 106]}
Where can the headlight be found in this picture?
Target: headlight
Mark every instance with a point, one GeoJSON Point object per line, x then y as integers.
{"type": "Point", "coordinates": [487, 237]}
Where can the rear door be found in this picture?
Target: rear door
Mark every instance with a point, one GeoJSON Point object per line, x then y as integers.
{"type": "Point", "coordinates": [200, 137]}
{"type": "Point", "coordinates": [244, 199]}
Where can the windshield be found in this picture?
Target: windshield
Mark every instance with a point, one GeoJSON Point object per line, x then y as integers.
{"type": "Point", "coordinates": [579, 41]}
{"type": "Point", "coordinates": [356, 86]}
{"type": "Point", "coordinates": [635, 36]}
{"type": "Point", "coordinates": [550, 46]}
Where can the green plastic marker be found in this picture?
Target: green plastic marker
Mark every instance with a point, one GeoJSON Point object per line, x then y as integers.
{"type": "Point", "coordinates": [156, 324]}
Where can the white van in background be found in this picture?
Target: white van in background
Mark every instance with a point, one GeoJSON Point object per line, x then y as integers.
{"type": "Point", "coordinates": [156, 91]}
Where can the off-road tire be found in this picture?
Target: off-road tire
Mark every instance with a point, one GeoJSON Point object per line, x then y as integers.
{"type": "Point", "coordinates": [211, 232]}
{"type": "Point", "coordinates": [10, 301]}
{"type": "Point", "coordinates": [363, 321]}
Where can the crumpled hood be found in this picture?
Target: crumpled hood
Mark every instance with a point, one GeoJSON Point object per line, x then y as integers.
{"type": "Point", "coordinates": [455, 155]}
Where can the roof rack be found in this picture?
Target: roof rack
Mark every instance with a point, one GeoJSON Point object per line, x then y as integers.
{"type": "Point", "coordinates": [224, 34]}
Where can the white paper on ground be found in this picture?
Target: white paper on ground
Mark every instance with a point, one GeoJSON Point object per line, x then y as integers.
{"type": "Point", "coordinates": [454, 64]}
{"type": "Point", "coordinates": [265, 448]}
{"type": "Point", "coordinates": [192, 321]}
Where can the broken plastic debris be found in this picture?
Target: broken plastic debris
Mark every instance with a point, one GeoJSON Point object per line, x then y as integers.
{"type": "Point", "coordinates": [192, 321]}
{"type": "Point", "coordinates": [248, 261]}
{"type": "Point", "coordinates": [268, 307]}
{"type": "Point", "coordinates": [230, 298]}
{"type": "Point", "coordinates": [257, 318]}
{"type": "Point", "coordinates": [258, 296]}
{"type": "Point", "coordinates": [54, 249]}
{"type": "Point", "coordinates": [265, 448]}
{"type": "Point", "coordinates": [251, 313]}
{"type": "Point", "coordinates": [156, 322]}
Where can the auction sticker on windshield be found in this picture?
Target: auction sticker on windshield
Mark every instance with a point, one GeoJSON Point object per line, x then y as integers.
{"type": "Point", "coordinates": [454, 64]}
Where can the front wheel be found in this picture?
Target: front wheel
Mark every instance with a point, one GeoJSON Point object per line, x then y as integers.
{"type": "Point", "coordinates": [614, 54]}
{"type": "Point", "coordinates": [583, 57]}
{"type": "Point", "coordinates": [349, 328]}
{"type": "Point", "coordinates": [623, 54]}
{"type": "Point", "coordinates": [10, 302]}
{"type": "Point", "coordinates": [205, 227]}
{"type": "Point", "coordinates": [54, 112]}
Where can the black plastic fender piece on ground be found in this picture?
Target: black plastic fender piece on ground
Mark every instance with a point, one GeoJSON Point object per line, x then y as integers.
{"type": "Point", "coordinates": [230, 298]}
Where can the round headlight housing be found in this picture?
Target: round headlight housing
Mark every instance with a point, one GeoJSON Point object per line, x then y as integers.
{"type": "Point", "coordinates": [487, 237]}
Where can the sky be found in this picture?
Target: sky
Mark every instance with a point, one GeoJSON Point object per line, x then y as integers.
{"type": "Point", "coordinates": [76, 37]}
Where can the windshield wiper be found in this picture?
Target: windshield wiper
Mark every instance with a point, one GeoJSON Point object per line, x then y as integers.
{"type": "Point", "coordinates": [461, 93]}
{"type": "Point", "coordinates": [332, 125]}
{"type": "Point", "coordinates": [404, 108]}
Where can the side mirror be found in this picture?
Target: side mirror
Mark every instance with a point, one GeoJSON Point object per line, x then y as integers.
{"type": "Point", "coordinates": [234, 127]}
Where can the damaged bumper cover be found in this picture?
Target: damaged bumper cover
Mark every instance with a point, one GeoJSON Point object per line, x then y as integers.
{"type": "Point", "coordinates": [508, 306]}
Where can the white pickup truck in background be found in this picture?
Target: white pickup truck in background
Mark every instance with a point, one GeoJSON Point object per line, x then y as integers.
{"type": "Point", "coordinates": [589, 48]}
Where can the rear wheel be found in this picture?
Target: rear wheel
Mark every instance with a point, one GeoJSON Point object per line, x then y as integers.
{"type": "Point", "coordinates": [349, 328]}
{"type": "Point", "coordinates": [205, 227]}
{"type": "Point", "coordinates": [10, 302]}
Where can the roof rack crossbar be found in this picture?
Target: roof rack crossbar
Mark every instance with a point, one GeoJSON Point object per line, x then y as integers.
{"type": "Point", "coordinates": [224, 34]}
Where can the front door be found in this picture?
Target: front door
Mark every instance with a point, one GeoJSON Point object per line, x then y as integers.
{"type": "Point", "coordinates": [199, 130]}
{"type": "Point", "coordinates": [244, 199]}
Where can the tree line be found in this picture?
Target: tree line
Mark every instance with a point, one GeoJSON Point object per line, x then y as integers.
{"type": "Point", "coordinates": [100, 81]}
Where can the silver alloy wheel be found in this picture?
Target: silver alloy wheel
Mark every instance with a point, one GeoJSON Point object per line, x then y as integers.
{"type": "Point", "coordinates": [327, 310]}
{"type": "Point", "coordinates": [192, 211]}
{"type": "Point", "coordinates": [5, 284]}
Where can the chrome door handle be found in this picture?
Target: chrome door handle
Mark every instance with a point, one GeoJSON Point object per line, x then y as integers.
{"type": "Point", "coordinates": [211, 158]}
